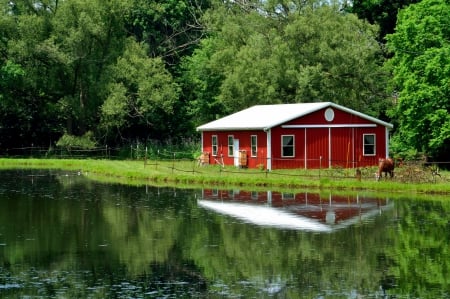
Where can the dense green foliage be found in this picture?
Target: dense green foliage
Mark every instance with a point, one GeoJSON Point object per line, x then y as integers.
{"type": "Point", "coordinates": [421, 72]}
{"type": "Point", "coordinates": [139, 70]}
{"type": "Point", "coordinates": [70, 67]}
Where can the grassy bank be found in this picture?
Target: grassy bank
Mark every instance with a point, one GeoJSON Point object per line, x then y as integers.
{"type": "Point", "coordinates": [188, 174]}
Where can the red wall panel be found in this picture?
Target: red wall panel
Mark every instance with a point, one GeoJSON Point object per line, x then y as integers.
{"type": "Point", "coordinates": [317, 148]}
{"type": "Point", "coordinates": [279, 162]}
{"type": "Point", "coordinates": [362, 160]}
{"type": "Point", "coordinates": [342, 147]}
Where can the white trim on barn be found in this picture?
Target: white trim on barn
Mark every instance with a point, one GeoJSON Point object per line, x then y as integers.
{"type": "Point", "coordinates": [329, 126]}
{"type": "Point", "coordinates": [329, 147]}
{"type": "Point", "coordinates": [269, 149]}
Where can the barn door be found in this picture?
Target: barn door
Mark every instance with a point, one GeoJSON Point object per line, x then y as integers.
{"type": "Point", "coordinates": [236, 152]}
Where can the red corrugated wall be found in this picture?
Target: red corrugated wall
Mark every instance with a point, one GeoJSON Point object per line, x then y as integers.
{"type": "Point", "coordinates": [317, 148]}
{"type": "Point", "coordinates": [279, 162]}
{"type": "Point", "coordinates": [342, 147]}
{"type": "Point", "coordinates": [244, 138]}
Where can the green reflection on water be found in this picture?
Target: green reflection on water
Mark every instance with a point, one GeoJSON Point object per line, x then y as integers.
{"type": "Point", "coordinates": [63, 235]}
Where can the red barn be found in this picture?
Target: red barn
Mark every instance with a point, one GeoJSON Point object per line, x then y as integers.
{"type": "Point", "coordinates": [305, 135]}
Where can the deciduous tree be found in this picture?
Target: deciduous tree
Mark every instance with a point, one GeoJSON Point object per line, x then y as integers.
{"type": "Point", "coordinates": [421, 69]}
{"type": "Point", "coordinates": [310, 53]}
{"type": "Point", "coordinates": [141, 95]}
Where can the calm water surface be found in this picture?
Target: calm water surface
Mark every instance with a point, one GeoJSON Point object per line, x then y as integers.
{"type": "Point", "coordinates": [64, 236]}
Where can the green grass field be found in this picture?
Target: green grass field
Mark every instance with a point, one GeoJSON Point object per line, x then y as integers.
{"type": "Point", "coordinates": [186, 173]}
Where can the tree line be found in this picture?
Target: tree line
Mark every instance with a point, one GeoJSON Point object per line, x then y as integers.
{"type": "Point", "coordinates": [86, 73]}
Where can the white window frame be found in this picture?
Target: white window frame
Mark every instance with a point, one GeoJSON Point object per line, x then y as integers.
{"type": "Point", "coordinates": [230, 147]}
{"type": "Point", "coordinates": [287, 196]}
{"type": "Point", "coordinates": [374, 145]}
{"type": "Point", "coordinates": [254, 146]}
{"type": "Point", "coordinates": [214, 145]}
{"type": "Point", "coordinates": [283, 146]}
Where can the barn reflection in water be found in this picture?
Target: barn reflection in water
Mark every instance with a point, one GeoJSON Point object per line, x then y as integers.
{"type": "Point", "coordinates": [300, 211]}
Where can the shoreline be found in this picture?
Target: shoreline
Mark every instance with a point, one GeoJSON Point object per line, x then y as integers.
{"type": "Point", "coordinates": [185, 175]}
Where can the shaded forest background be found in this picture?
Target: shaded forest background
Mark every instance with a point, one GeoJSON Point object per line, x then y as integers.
{"type": "Point", "coordinates": [91, 73]}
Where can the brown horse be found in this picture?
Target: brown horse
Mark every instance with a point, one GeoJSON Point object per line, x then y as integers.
{"type": "Point", "coordinates": [387, 166]}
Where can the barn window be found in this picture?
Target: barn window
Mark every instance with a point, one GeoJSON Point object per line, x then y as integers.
{"type": "Point", "coordinates": [230, 145]}
{"type": "Point", "coordinates": [287, 146]}
{"type": "Point", "coordinates": [369, 144]}
{"type": "Point", "coordinates": [287, 196]}
{"type": "Point", "coordinates": [254, 145]}
{"type": "Point", "coordinates": [214, 145]}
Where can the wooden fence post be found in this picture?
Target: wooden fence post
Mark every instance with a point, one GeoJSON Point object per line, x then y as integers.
{"type": "Point", "coordinates": [320, 165]}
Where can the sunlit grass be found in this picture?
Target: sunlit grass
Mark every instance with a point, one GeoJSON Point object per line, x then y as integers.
{"type": "Point", "coordinates": [188, 174]}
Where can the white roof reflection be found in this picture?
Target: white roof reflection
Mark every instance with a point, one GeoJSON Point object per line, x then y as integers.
{"type": "Point", "coordinates": [290, 216]}
{"type": "Point", "coordinates": [265, 216]}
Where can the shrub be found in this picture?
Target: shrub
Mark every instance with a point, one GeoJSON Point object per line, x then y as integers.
{"type": "Point", "coordinates": [70, 141]}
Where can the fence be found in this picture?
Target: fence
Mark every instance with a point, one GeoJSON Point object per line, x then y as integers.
{"type": "Point", "coordinates": [133, 152]}
{"type": "Point", "coordinates": [409, 172]}
{"type": "Point", "coordinates": [189, 162]}
{"type": "Point", "coordinates": [55, 153]}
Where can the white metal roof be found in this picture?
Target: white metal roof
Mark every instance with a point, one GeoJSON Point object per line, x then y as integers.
{"type": "Point", "coordinates": [264, 117]}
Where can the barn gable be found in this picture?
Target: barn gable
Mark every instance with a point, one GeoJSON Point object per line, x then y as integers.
{"type": "Point", "coordinates": [264, 117]}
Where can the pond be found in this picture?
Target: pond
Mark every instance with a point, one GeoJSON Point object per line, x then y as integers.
{"type": "Point", "coordinates": [63, 235]}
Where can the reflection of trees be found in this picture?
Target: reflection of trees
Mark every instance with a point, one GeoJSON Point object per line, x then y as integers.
{"type": "Point", "coordinates": [115, 222]}
{"type": "Point", "coordinates": [123, 233]}
{"type": "Point", "coordinates": [420, 259]}
{"type": "Point", "coordinates": [143, 237]}
{"type": "Point", "coordinates": [344, 261]}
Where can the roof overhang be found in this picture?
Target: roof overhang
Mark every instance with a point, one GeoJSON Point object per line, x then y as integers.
{"type": "Point", "coordinates": [265, 117]}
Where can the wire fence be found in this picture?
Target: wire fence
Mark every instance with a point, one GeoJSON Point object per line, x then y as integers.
{"type": "Point", "coordinates": [409, 172]}
{"type": "Point", "coordinates": [413, 171]}
{"type": "Point", "coordinates": [133, 152]}
{"type": "Point", "coordinates": [55, 153]}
